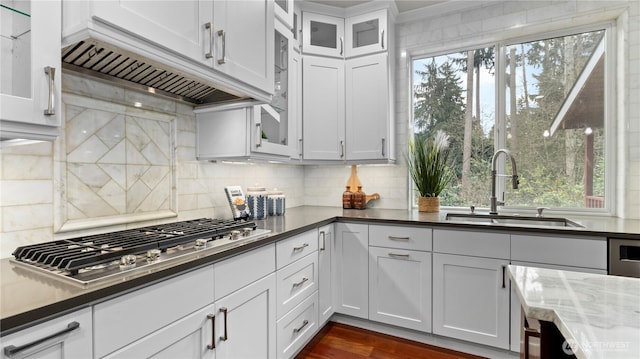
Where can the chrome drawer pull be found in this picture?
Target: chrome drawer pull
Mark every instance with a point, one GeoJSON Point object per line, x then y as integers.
{"type": "Point", "coordinates": [222, 34]}
{"type": "Point", "coordinates": [209, 26]}
{"type": "Point", "coordinates": [301, 247]}
{"type": "Point", "coordinates": [324, 235]}
{"type": "Point", "coordinates": [50, 110]}
{"type": "Point", "coordinates": [12, 350]}
{"type": "Point", "coordinates": [295, 285]}
{"type": "Point", "coordinates": [213, 331]}
{"type": "Point", "coordinates": [225, 336]}
{"type": "Point", "coordinates": [394, 238]}
{"type": "Point", "coordinates": [398, 255]}
{"type": "Point", "coordinates": [304, 324]}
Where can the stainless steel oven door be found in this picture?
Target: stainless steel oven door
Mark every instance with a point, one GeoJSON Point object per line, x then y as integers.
{"type": "Point", "coordinates": [624, 257]}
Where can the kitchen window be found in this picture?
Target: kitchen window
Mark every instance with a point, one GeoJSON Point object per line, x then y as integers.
{"type": "Point", "coordinates": [546, 99]}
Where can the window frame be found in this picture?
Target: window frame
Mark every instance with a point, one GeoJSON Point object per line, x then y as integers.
{"type": "Point", "coordinates": [500, 91]}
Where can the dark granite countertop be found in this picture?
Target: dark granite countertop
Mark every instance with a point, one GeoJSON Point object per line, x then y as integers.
{"type": "Point", "coordinates": [28, 298]}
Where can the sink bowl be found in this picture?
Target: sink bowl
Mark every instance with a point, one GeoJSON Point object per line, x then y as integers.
{"type": "Point", "coordinates": [514, 220]}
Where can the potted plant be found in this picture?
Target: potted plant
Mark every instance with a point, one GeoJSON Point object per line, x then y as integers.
{"type": "Point", "coordinates": [429, 166]}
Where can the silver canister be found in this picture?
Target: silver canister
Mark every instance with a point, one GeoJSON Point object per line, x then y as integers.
{"type": "Point", "coordinates": [257, 202]}
{"type": "Point", "coordinates": [276, 203]}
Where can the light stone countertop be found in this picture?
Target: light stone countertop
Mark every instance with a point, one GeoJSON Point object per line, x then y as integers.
{"type": "Point", "coordinates": [598, 315]}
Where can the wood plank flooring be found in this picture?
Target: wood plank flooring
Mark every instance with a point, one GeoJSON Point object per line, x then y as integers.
{"type": "Point", "coordinates": [342, 341]}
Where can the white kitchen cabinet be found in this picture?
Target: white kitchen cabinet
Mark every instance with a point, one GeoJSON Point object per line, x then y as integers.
{"type": "Point", "coordinates": [243, 38]}
{"type": "Point", "coordinates": [30, 60]}
{"type": "Point", "coordinates": [189, 338]}
{"type": "Point", "coordinates": [366, 34]}
{"type": "Point", "coordinates": [326, 273]}
{"type": "Point", "coordinates": [471, 299]}
{"type": "Point", "coordinates": [298, 327]}
{"type": "Point", "coordinates": [367, 108]}
{"type": "Point", "coordinates": [246, 321]}
{"type": "Point", "coordinates": [67, 337]}
{"type": "Point", "coordinates": [322, 35]}
{"type": "Point", "coordinates": [352, 264]}
{"type": "Point", "coordinates": [284, 11]}
{"type": "Point", "coordinates": [296, 282]}
{"type": "Point", "coordinates": [400, 287]}
{"type": "Point", "coordinates": [323, 107]}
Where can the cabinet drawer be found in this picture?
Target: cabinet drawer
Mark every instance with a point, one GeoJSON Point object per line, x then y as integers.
{"type": "Point", "coordinates": [239, 271]}
{"type": "Point", "coordinates": [471, 243]}
{"type": "Point", "coordinates": [587, 252]}
{"type": "Point", "coordinates": [296, 282]}
{"type": "Point", "coordinates": [297, 327]}
{"type": "Point", "coordinates": [156, 306]}
{"type": "Point", "coordinates": [417, 238]}
{"type": "Point", "coordinates": [294, 248]}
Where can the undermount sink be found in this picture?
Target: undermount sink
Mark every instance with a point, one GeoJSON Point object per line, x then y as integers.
{"type": "Point", "coordinates": [514, 220]}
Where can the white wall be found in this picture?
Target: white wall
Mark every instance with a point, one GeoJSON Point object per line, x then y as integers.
{"type": "Point", "coordinates": [455, 25]}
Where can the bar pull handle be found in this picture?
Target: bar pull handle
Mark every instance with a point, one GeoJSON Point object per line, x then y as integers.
{"type": "Point", "coordinates": [12, 350]}
{"type": "Point", "coordinates": [222, 34]}
{"type": "Point", "coordinates": [341, 149]}
{"type": "Point", "coordinates": [303, 281]}
{"type": "Point", "coordinates": [382, 38]}
{"type": "Point", "coordinates": [259, 134]}
{"type": "Point", "coordinates": [395, 238]}
{"type": "Point", "coordinates": [341, 45]}
{"type": "Point", "coordinates": [304, 324]}
{"type": "Point", "coordinates": [398, 255]}
{"type": "Point", "coordinates": [209, 26]}
{"type": "Point", "coordinates": [383, 147]}
{"type": "Point", "coordinates": [504, 268]}
{"type": "Point", "coordinates": [300, 147]}
{"type": "Point", "coordinates": [212, 317]}
{"type": "Point", "coordinates": [323, 234]}
{"type": "Point", "coordinates": [300, 247]}
{"type": "Point", "coordinates": [225, 336]}
{"type": "Point", "coordinates": [50, 110]}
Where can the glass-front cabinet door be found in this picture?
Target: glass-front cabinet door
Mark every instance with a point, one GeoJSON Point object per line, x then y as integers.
{"type": "Point", "coordinates": [30, 63]}
{"type": "Point", "coordinates": [322, 35]}
{"type": "Point", "coordinates": [284, 11]}
{"type": "Point", "coordinates": [366, 34]}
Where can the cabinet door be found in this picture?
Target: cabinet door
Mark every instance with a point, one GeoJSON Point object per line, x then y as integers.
{"type": "Point", "coordinates": [180, 26]}
{"type": "Point", "coordinates": [400, 287]}
{"type": "Point", "coordinates": [29, 95]}
{"type": "Point", "coordinates": [246, 321]}
{"type": "Point", "coordinates": [283, 10]}
{"type": "Point", "coordinates": [326, 273]}
{"type": "Point", "coordinates": [471, 299]}
{"type": "Point", "coordinates": [189, 337]}
{"type": "Point", "coordinates": [243, 37]}
{"type": "Point", "coordinates": [366, 34]}
{"type": "Point", "coordinates": [323, 109]}
{"type": "Point", "coordinates": [367, 108]}
{"type": "Point", "coordinates": [352, 264]}
{"type": "Point", "coordinates": [69, 336]}
{"type": "Point", "coordinates": [322, 35]}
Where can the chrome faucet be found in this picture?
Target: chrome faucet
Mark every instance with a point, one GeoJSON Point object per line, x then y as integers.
{"type": "Point", "coordinates": [514, 179]}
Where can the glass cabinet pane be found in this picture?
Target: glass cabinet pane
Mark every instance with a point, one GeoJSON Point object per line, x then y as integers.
{"type": "Point", "coordinates": [283, 5]}
{"type": "Point", "coordinates": [324, 34]}
{"type": "Point", "coordinates": [366, 33]}
{"type": "Point", "coordinates": [275, 123]}
{"type": "Point", "coordinates": [15, 37]}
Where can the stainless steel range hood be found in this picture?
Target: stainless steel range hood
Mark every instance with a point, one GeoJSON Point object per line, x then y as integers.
{"type": "Point", "coordinates": [110, 63]}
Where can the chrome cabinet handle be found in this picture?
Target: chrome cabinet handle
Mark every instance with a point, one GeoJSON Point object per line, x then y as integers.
{"type": "Point", "coordinates": [382, 38]}
{"type": "Point", "coordinates": [341, 45]}
{"type": "Point", "coordinates": [300, 152]}
{"type": "Point", "coordinates": [383, 147]}
{"type": "Point", "coordinates": [503, 274]}
{"type": "Point", "coordinates": [304, 324]}
{"type": "Point", "coordinates": [50, 110]}
{"type": "Point", "coordinates": [12, 350]}
{"type": "Point", "coordinates": [225, 336]}
{"type": "Point", "coordinates": [259, 134]}
{"type": "Point", "coordinates": [209, 26]}
{"type": "Point", "coordinates": [394, 238]}
{"type": "Point", "coordinates": [222, 34]}
{"type": "Point", "coordinates": [301, 247]}
{"type": "Point", "coordinates": [304, 280]}
{"type": "Point", "coordinates": [341, 149]}
{"type": "Point", "coordinates": [322, 248]}
{"type": "Point", "coordinates": [398, 255]}
{"type": "Point", "coordinates": [212, 317]}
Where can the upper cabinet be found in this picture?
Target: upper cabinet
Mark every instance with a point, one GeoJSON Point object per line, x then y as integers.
{"type": "Point", "coordinates": [233, 37]}
{"type": "Point", "coordinates": [345, 37]}
{"type": "Point", "coordinates": [30, 62]}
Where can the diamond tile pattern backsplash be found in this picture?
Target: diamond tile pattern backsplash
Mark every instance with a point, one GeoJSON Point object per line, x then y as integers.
{"type": "Point", "coordinates": [116, 164]}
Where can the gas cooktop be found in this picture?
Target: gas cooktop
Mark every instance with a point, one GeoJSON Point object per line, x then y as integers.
{"type": "Point", "coordinates": [118, 255]}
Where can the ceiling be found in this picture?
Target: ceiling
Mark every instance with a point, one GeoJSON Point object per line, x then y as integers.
{"type": "Point", "coordinates": [403, 5]}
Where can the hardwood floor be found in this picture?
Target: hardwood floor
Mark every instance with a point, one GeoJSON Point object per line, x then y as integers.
{"type": "Point", "coordinates": [342, 341]}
